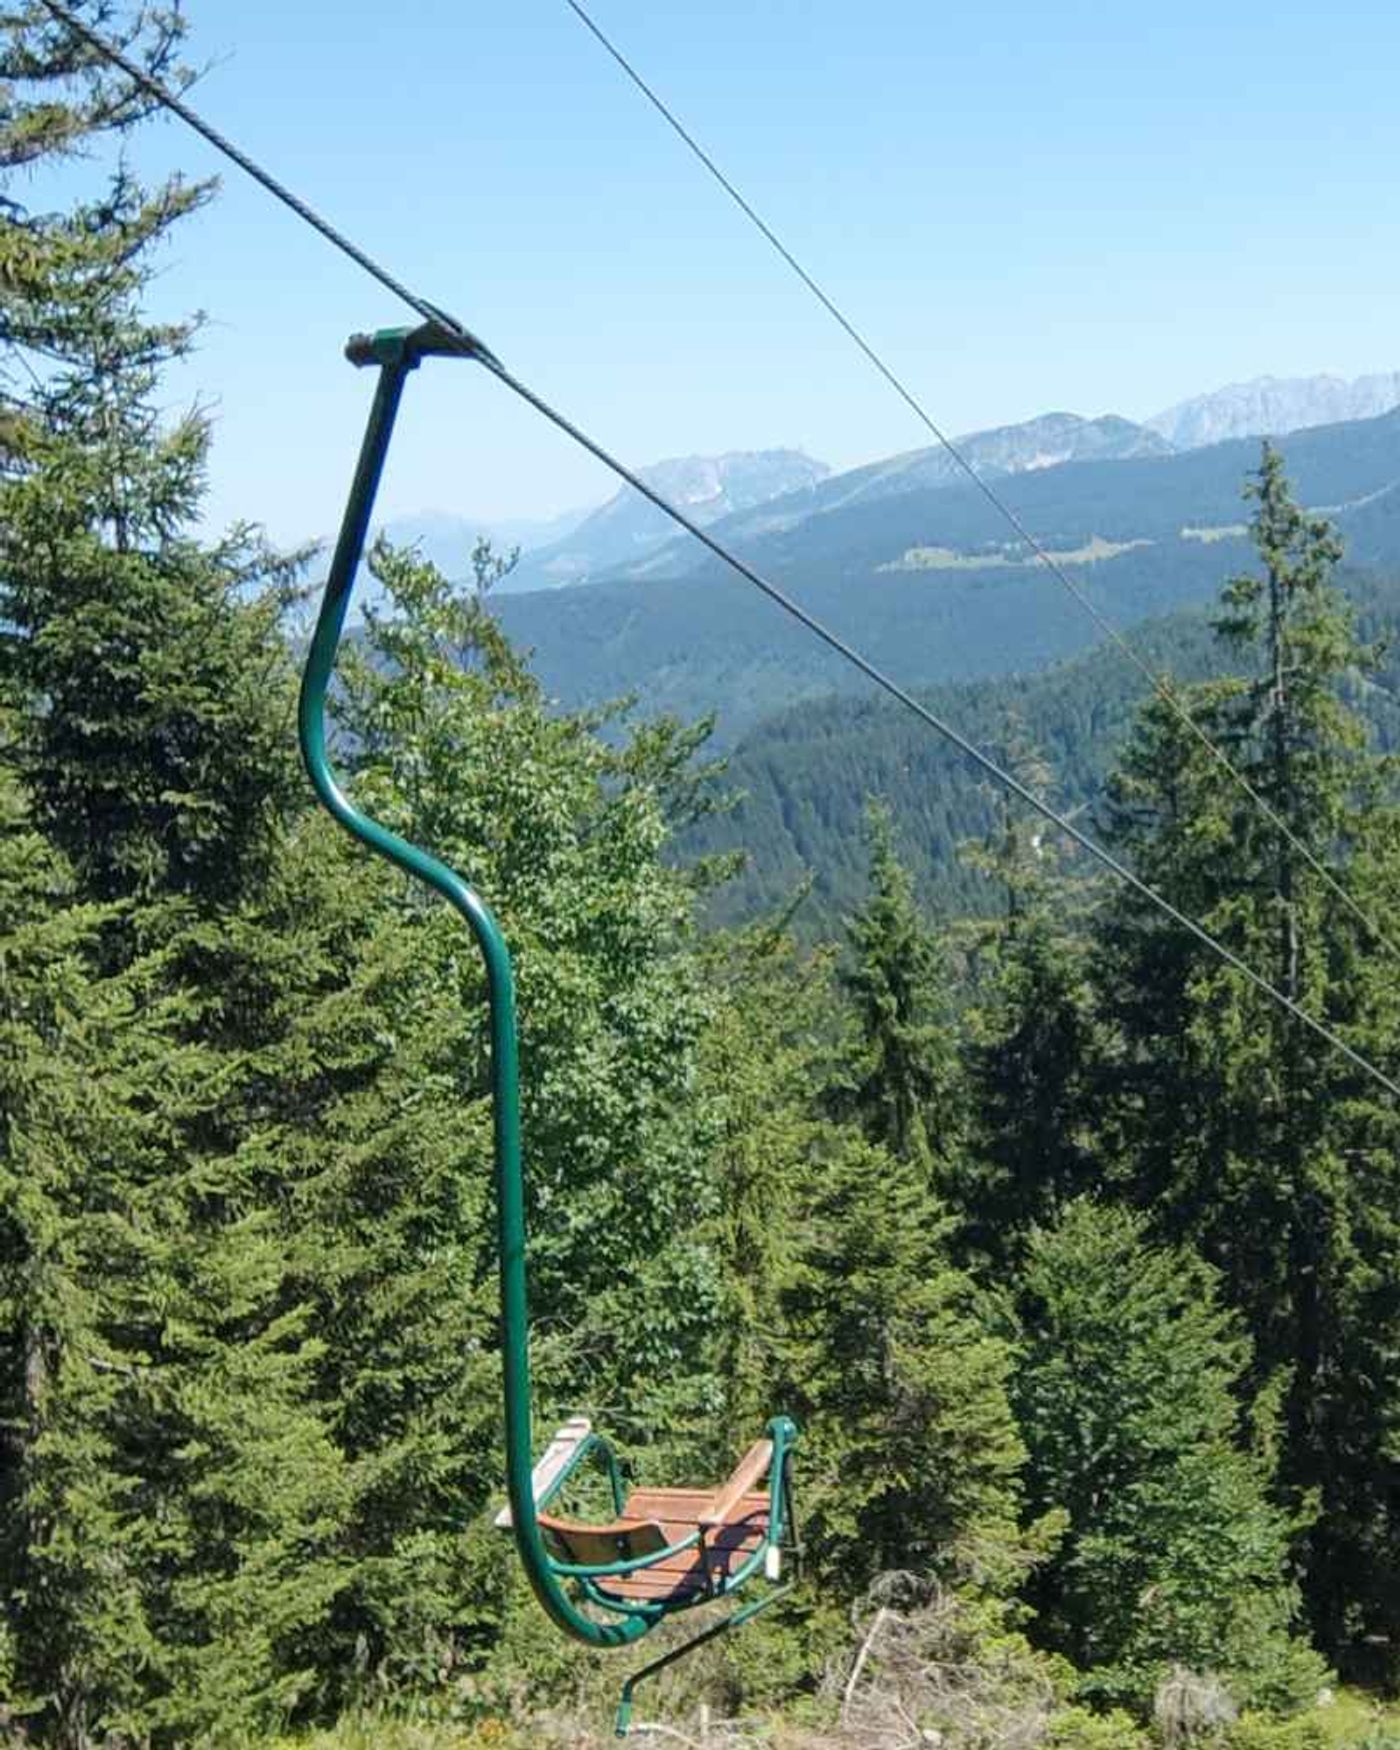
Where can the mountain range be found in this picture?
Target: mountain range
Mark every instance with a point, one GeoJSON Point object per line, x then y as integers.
{"type": "Point", "coordinates": [910, 561]}
{"type": "Point", "coordinates": [1047, 442]}
{"type": "Point", "coordinates": [779, 488]}
{"type": "Point", "coordinates": [931, 582]}
{"type": "Point", "coordinates": [1275, 406]}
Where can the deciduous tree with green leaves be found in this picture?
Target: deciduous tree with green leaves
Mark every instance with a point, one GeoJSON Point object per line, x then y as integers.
{"type": "Point", "coordinates": [562, 831]}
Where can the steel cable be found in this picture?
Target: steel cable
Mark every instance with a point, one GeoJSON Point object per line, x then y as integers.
{"type": "Point", "coordinates": [430, 312]}
{"type": "Point", "coordinates": [1160, 685]}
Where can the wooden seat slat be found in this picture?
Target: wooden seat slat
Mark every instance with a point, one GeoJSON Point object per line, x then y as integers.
{"type": "Point", "coordinates": [557, 1456]}
{"type": "Point", "coordinates": [647, 1584]}
{"type": "Point", "coordinates": [721, 1548]}
{"type": "Point", "coordinates": [726, 1558]}
{"type": "Point", "coordinates": [622, 1540]}
{"type": "Point", "coordinates": [654, 1518]}
{"type": "Point", "coordinates": [677, 1511]}
{"type": "Point", "coordinates": [751, 1469]}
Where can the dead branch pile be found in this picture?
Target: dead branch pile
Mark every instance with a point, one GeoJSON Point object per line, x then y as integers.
{"type": "Point", "coordinates": [916, 1676]}
{"type": "Point", "coordinates": [919, 1676]}
{"type": "Point", "coordinates": [1190, 1705]}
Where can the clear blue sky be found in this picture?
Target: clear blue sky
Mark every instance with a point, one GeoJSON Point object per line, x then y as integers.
{"type": "Point", "coordinates": [1099, 205]}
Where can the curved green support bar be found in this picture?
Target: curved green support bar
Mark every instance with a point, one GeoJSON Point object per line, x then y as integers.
{"type": "Point", "coordinates": [396, 352]}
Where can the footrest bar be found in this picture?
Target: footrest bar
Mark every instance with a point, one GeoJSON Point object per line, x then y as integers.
{"type": "Point", "coordinates": [736, 1619]}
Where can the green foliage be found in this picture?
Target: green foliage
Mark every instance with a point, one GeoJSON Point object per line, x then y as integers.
{"type": "Point", "coordinates": [457, 749]}
{"type": "Point", "coordinates": [249, 1422]}
{"type": "Point", "coordinates": [1246, 1134]}
{"type": "Point", "coordinates": [172, 1490]}
{"type": "Point", "coordinates": [802, 775]}
{"type": "Point", "coordinates": [762, 1062]}
{"type": "Point", "coordinates": [154, 760]}
{"type": "Point", "coordinates": [1076, 1728]}
{"type": "Point", "coordinates": [1125, 1389]}
{"type": "Point", "coordinates": [910, 1457]}
{"type": "Point", "coordinates": [1252, 1731]}
{"type": "Point", "coordinates": [1030, 1041]}
{"type": "Point", "coordinates": [63, 1084]}
{"type": "Point", "coordinates": [899, 1082]}
{"type": "Point", "coordinates": [1030, 1036]}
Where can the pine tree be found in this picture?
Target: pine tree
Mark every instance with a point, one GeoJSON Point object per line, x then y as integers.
{"type": "Point", "coordinates": [75, 1048]}
{"type": "Point", "coordinates": [763, 1062]}
{"type": "Point", "coordinates": [1029, 1037]}
{"type": "Point", "coordinates": [908, 1442]}
{"type": "Point", "coordinates": [384, 1164]}
{"type": "Point", "coordinates": [176, 1492]}
{"type": "Point", "coordinates": [910, 1455]}
{"type": "Point", "coordinates": [150, 748]}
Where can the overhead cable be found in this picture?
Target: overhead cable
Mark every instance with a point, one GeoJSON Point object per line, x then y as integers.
{"type": "Point", "coordinates": [954, 450]}
{"type": "Point", "coordinates": [156, 88]}
{"type": "Point", "coordinates": [430, 312]}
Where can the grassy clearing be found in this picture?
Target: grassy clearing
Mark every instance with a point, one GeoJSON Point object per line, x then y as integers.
{"type": "Point", "coordinates": [1350, 1719]}
{"type": "Point", "coordinates": [1354, 1717]}
{"type": "Point", "coordinates": [370, 1733]}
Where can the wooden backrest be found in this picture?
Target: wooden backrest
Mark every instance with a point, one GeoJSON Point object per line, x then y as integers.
{"type": "Point", "coordinates": [619, 1541]}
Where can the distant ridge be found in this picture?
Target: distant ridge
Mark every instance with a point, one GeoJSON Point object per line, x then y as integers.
{"type": "Point", "coordinates": [1275, 406]}
{"type": "Point", "coordinates": [750, 496]}
{"type": "Point", "coordinates": [1048, 441]}
{"type": "Point", "coordinates": [932, 585]}
{"type": "Point", "coordinates": [707, 488]}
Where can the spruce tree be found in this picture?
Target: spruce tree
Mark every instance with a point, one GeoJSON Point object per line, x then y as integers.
{"type": "Point", "coordinates": [900, 1080]}
{"type": "Point", "coordinates": [1246, 1133]}
{"type": "Point", "coordinates": [1125, 1389]}
{"type": "Point", "coordinates": [1029, 1036]}
{"type": "Point", "coordinates": [908, 1437]}
{"type": "Point", "coordinates": [176, 1490]}
{"type": "Point", "coordinates": [152, 755]}
{"type": "Point", "coordinates": [910, 1455]}
{"type": "Point", "coordinates": [77, 1049]}
{"type": "Point", "coordinates": [763, 1061]}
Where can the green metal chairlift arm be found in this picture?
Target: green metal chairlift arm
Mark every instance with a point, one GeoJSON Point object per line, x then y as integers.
{"type": "Point", "coordinates": [396, 352]}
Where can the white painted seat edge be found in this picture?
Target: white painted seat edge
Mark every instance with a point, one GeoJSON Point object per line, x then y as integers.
{"type": "Point", "coordinates": [553, 1460]}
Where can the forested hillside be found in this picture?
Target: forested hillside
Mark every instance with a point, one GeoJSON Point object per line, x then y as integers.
{"type": "Point", "coordinates": [799, 782]}
{"type": "Point", "coordinates": [1073, 1250]}
{"type": "Point", "coordinates": [932, 584]}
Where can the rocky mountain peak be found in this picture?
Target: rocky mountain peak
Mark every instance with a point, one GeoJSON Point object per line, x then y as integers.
{"type": "Point", "coordinates": [1274, 406]}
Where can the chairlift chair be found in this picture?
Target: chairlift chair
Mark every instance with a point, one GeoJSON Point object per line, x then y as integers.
{"type": "Point", "coordinates": [664, 1550]}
